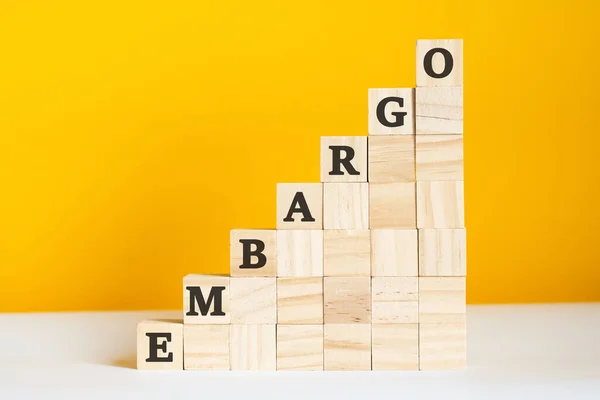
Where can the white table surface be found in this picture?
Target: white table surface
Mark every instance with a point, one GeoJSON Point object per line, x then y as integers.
{"type": "Point", "coordinates": [514, 352]}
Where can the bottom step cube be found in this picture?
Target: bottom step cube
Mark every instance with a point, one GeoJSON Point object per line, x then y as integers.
{"type": "Point", "coordinates": [206, 347]}
{"type": "Point", "coordinates": [300, 347]}
{"type": "Point", "coordinates": [395, 347]}
{"type": "Point", "coordinates": [160, 345]}
{"type": "Point", "coordinates": [347, 347]}
{"type": "Point", "coordinates": [252, 347]}
{"type": "Point", "coordinates": [443, 346]}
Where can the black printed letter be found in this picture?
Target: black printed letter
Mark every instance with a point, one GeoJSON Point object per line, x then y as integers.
{"type": "Point", "coordinates": [399, 115]}
{"type": "Point", "coordinates": [338, 161]}
{"type": "Point", "coordinates": [247, 253]}
{"type": "Point", "coordinates": [428, 63]}
{"type": "Point", "coordinates": [302, 207]}
{"type": "Point", "coordinates": [196, 297]}
{"type": "Point", "coordinates": [154, 347]}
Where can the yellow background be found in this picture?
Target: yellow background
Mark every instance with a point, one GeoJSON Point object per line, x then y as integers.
{"type": "Point", "coordinates": [135, 134]}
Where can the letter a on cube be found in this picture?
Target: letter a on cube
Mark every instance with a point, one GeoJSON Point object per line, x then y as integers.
{"type": "Point", "coordinates": [206, 299]}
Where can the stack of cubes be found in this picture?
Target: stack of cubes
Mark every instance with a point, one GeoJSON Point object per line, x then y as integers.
{"type": "Point", "coordinates": [366, 269]}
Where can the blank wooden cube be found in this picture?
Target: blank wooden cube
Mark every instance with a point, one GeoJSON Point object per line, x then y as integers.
{"type": "Point", "coordinates": [346, 205]}
{"type": "Point", "coordinates": [300, 301]}
{"type": "Point", "coordinates": [206, 299]}
{"type": "Point", "coordinates": [395, 347]}
{"type": "Point", "coordinates": [253, 301]}
{"type": "Point", "coordinates": [206, 347]}
{"type": "Point", "coordinates": [395, 300]}
{"type": "Point", "coordinates": [343, 159]}
{"type": "Point", "coordinates": [392, 205]}
{"type": "Point", "coordinates": [394, 252]}
{"type": "Point", "coordinates": [347, 347]}
{"type": "Point", "coordinates": [439, 157]}
{"type": "Point", "coordinates": [443, 346]}
{"type": "Point", "coordinates": [347, 253]}
{"type": "Point", "coordinates": [440, 204]}
{"type": "Point", "coordinates": [442, 300]}
{"type": "Point", "coordinates": [442, 252]}
{"type": "Point", "coordinates": [253, 348]}
{"type": "Point", "coordinates": [440, 62]}
{"type": "Point", "coordinates": [160, 345]}
{"type": "Point", "coordinates": [253, 252]}
{"type": "Point", "coordinates": [299, 206]}
{"type": "Point", "coordinates": [439, 110]}
{"type": "Point", "coordinates": [392, 158]}
{"type": "Point", "coordinates": [347, 300]}
{"type": "Point", "coordinates": [391, 111]}
{"type": "Point", "coordinates": [299, 253]}
{"type": "Point", "coordinates": [300, 347]}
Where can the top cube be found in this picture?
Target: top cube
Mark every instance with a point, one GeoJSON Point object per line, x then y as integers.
{"type": "Point", "coordinates": [440, 62]}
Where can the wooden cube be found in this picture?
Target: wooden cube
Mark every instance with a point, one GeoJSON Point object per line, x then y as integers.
{"type": "Point", "coordinates": [346, 205]}
{"type": "Point", "coordinates": [439, 110]}
{"type": "Point", "coordinates": [299, 253]}
{"type": "Point", "coordinates": [347, 253]}
{"type": "Point", "coordinates": [439, 157]}
{"type": "Point", "coordinates": [394, 252]}
{"type": "Point", "coordinates": [206, 347]}
{"type": "Point", "coordinates": [253, 348]}
{"type": "Point", "coordinates": [347, 347]}
{"type": "Point", "coordinates": [300, 347]}
{"type": "Point", "coordinates": [395, 300]}
{"type": "Point", "coordinates": [395, 347]}
{"type": "Point", "coordinates": [253, 252]}
{"type": "Point", "coordinates": [392, 158]}
{"type": "Point", "coordinates": [300, 301]}
{"type": "Point", "coordinates": [347, 300]}
{"type": "Point", "coordinates": [299, 206]}
{"type": "Point", "coordinates": [440, 62]}
{"type": "Point", "coordinates": [391, 111]}
{"type": "Point", "coordinates": [443, 346]}
{"type": "Point", "coordinates": [206, 299]}
{"type": "Point", "coordinates": [440, 204]}
{"type": "Point", "coordinates": [392, 205]}
{"type": "Point", "coordinates": [160, 345]}
{"type": "Point", "coordinates": [442, 300]}
{"type": "Point", "coordinates": [253, 301]}
{"type": "Point", "coordinates": [442, 252]}
{"type": "Point", "coordinates": [343, 159]}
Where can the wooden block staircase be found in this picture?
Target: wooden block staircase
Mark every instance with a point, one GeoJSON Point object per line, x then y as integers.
{"type": "Point", "coordinates": [366, 269]}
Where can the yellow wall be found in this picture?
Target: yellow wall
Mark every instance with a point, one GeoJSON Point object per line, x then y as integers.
{"type": "Point", "coordinates": [135, 134]}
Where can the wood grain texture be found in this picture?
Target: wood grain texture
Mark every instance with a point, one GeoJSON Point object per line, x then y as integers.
{"type": "Point", "coordinates": [392, 205]}
{"type": "Point", "coordinates": [440, 204]}
{"type": "Point", "coordinates": [358, 145]}
{"type": "Point", "coordinates": [299, 347]}
{"type": "Point", "coordinates": [253, 300]}
{"type": "Point", "coordinates": [312, 194]}
{"type": "Point", "coordinates": [455, 48]}
{"type": "Point", "coordinates": [346, 206]}
{"type": "Point", "coordinates": [347, 253]}
{"type": "Point", "coordinates": [300, 301]}
{"type": "Point", "coordinates": [236, 252]}
{"type": "Point", "coordinates": [443, 346]}
{"type": "Point", "coordinates": [395, 300]}
{"type": "Point", "coordinates": [253, 348]}
{"type": "Point", "coordinates": [442, 300]}
{"type": "Point", "coordinates": [299, 253]}
{"type": "Point", "coordinates": [392, 158]}
{"type": "Point", "coordinates": [170, 335]}
{"type": "Point", "coordinates": [439, 110]}
{"type": "Point", "coordinates": [347, 300]}
{"type": "Point", "coordinates": [208, 284]}
{"type": "Point", "coordinates": [391, 110]}
{"type": "Point", "coordinates": [347, 347]}
{"type": "Point", "coordinates": [439, 157]}
{"type": "Point", "coordinates": [206, 347]}
{"type": "Point", "coordinates": [442, 252]}
{"type": "Point", "coordinates": [394, 252]}
{"type": "Point", "coordinates": [395, 347]}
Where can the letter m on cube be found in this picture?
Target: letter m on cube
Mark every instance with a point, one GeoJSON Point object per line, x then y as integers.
{"type": "Point", "coordinates": [206, 299]}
